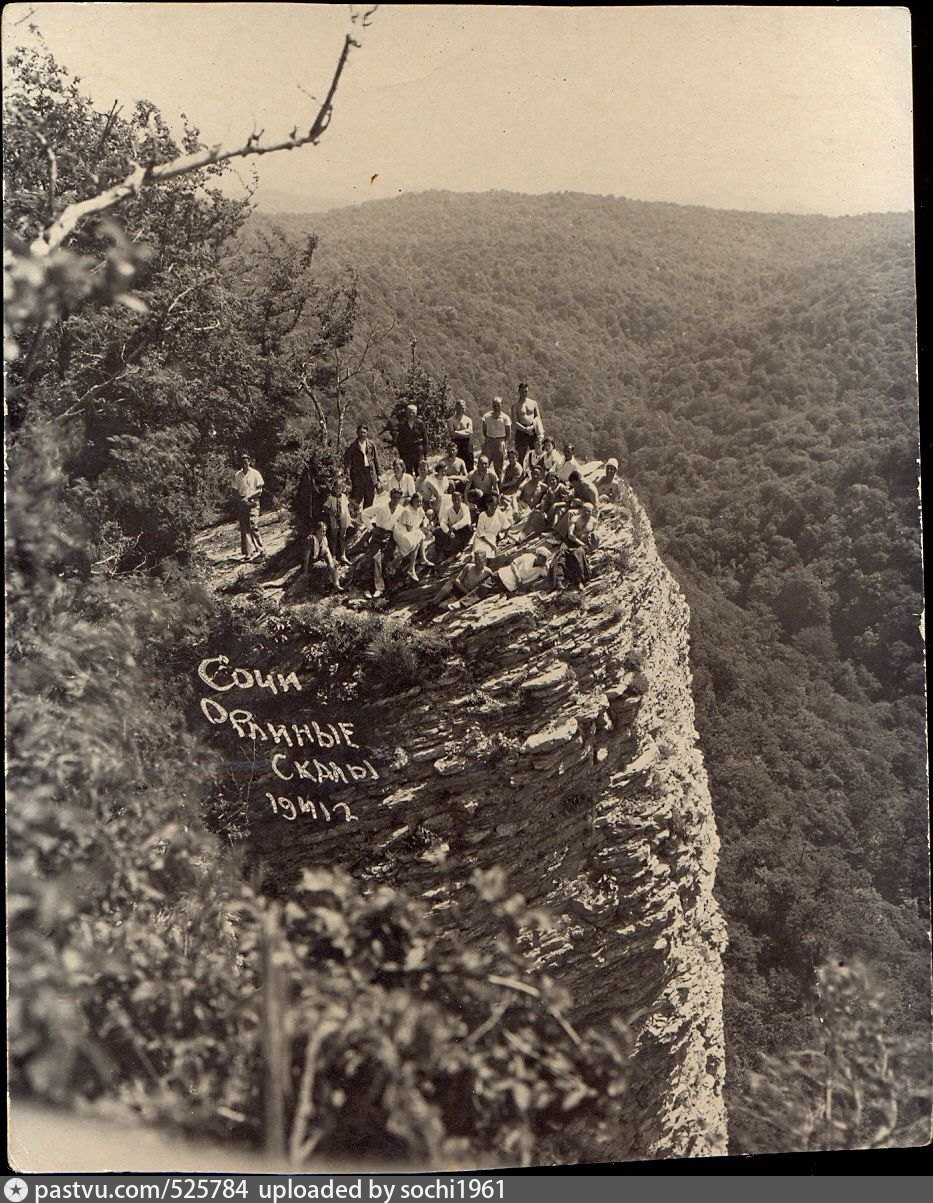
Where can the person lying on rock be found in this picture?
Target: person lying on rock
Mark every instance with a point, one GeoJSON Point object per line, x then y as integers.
{"type": "Point", "coordinates": [466, 582]}
{"type": "Point", "coordinates": [524, 570]}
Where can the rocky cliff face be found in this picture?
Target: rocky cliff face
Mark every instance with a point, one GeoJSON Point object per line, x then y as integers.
{"type": "Point", "coordinates": [559, 743]}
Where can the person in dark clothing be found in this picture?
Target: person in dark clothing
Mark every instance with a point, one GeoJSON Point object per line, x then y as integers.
{"type": "Point", "coordinates": [578, 538]}
{"type": "Point", "coordinates": [454, 528]}
{"type": "Point", "coordinates": [461, 431]}
{"type": "Point", "coordinates": [412, 440]}
{"type": "Point", "coordinates": [361, 464]}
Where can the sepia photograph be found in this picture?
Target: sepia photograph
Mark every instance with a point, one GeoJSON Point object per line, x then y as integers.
{"type": "Point", "coordinates": [465, 666]}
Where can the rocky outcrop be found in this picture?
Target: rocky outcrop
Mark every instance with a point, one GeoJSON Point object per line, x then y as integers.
{"type": "Point", "coordinates": [559, 743]}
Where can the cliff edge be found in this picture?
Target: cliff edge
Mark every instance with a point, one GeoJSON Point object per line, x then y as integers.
{"type": "Point", "coordinates": [559, 743]}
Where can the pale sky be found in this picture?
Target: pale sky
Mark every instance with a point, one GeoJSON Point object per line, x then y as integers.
{"type": "Point", "coordinates": [798, 109]}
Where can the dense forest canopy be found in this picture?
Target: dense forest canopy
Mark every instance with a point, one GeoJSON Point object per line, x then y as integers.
{"type": "Point", "coordinates": [755, 377]}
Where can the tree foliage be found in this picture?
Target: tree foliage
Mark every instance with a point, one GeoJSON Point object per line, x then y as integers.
{"type": "Point", "coordinates": [145, 966]}
{"type": "Point", "coordinates": [755, 376]}
{"type": "Point", "coordinates": [858, 1087]}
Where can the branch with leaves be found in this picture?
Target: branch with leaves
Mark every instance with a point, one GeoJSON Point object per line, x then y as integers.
{"type": "Point", "coordinates": [148, 174]}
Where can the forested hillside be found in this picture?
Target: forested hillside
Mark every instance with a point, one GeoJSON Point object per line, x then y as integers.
{"type": "Point", "coordinates": [755, 376]}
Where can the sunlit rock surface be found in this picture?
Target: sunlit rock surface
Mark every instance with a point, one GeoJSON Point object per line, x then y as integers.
{"type": "Point", "coordinates": [559, 743]}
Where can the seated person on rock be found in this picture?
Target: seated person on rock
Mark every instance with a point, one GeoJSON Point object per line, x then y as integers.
{"type": "Point", "coordinates": [484, 479]}
{"type": "Point", "coordinates": [490, 523]}
{"type": "Point", "coordinates": [535, 455]}
{"type": "Point", "coordinates": [571, 561]}
{"type": "Point", "coordinates": [317, 552]}
{"type": "Point", "coordinates": [553, 494]}
{"type": "Point", "coordinates": [380, 545]}
{"type": "Point", "coordinates": [570, 463]}
{"type": "Point", "coordinates": [399, 479]}
{"type": "Point", "coordinates": [532, 490]}
{"type": "Point", "coordinates": [584, 490]}
{"type": "Point", "coordinates": [410, 535]}
{"type": "Point", "coordinates": [552, 459]}
{"type": "Point", "coordinates": [454, 527]}
{"type": "Point", "coordinates": [425, 486]}
{"type": "Point", "coordinates": [609, 485]}
{"type": "Point", "coordinates": [556, 500]}
{"type": "Point", "coordinates": [455, 471]}
{"type": "Point", "coordinates": [512, 474]}
{"type": "Point", "coordinates": [443, 487]}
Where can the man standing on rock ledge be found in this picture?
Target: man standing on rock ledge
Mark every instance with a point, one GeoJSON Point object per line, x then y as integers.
{"type": "Point", "coordinates": [497, 428]}
{"type": "Point", "coordinates": [411, 440]}
{"type": "Point", "coordinates": [526, 422]}
{"type": "Point", "coordinates": [361, 464]}
{"type": "Point", "coordinates": [248, 485]}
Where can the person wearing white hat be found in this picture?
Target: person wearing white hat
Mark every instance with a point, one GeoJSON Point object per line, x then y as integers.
{"type": "Point", "coordinates": [609, 485]}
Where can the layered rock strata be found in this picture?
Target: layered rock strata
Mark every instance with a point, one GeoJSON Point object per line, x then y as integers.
{"type": "Point", "coordinates": [559, 743]}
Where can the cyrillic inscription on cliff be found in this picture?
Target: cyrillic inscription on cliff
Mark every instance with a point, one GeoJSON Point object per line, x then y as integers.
{"type": "Point", "coordinates": [305, 751]}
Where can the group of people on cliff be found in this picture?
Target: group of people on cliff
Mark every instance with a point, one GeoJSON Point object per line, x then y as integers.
{"type": "Point", "coordinates": [417, 517]}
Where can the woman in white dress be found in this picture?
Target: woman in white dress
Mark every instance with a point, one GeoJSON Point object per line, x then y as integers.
{"type": "Point", "coordinates": [489, 525]}
{"type": "Point", "coordinates": [410, 534]}
{"type": "Point", "coordinates": [399, 479]}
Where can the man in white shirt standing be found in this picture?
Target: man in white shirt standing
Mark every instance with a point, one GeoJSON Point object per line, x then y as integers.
{"type": "Point", "coordinates": [497, 427]}
{"type": "Point", "coordinates": [248, 485]}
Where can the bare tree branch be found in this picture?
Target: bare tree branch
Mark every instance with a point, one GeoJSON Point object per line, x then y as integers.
{"type": "Point", "coordinates": [105, 133]}
{"type": "Point", "coordinates": [35, 128]}
{"type": "Point", "coordinates": [146, 175]}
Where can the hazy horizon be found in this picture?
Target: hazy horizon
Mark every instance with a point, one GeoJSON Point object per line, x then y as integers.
{"type": "Point", "coordinates": [801, 110]}
{"type": "Point", "coordinates": [279, 198]}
